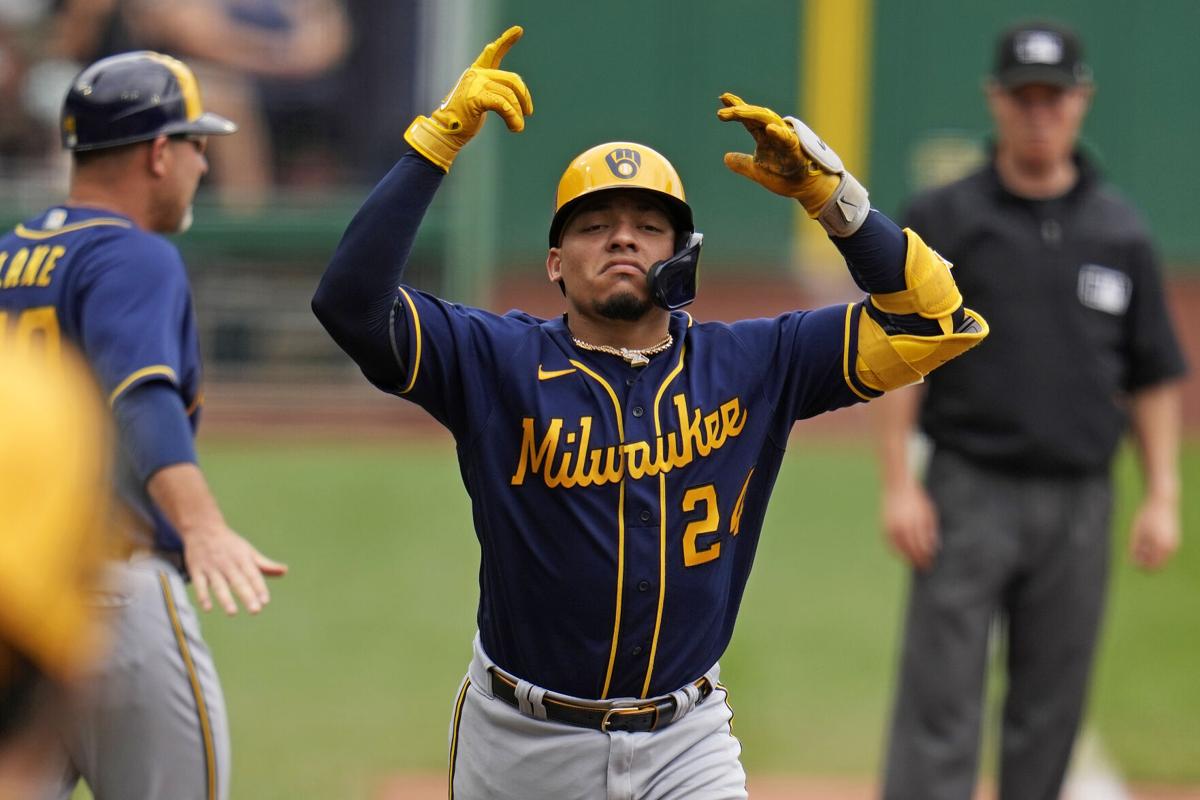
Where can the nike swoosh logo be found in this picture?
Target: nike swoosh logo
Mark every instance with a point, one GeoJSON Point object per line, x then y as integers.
{"type": "Point", "coordinates": [545, 375]}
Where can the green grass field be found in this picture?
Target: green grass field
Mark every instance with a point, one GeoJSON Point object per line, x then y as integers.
{"type": "Point", "coordinates": [349, 674]}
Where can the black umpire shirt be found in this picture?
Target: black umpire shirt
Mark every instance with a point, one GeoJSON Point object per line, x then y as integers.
{"type": "Point", "coordinates": [1072, 292]}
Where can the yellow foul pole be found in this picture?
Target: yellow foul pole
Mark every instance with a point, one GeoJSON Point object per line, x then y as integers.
{"type": "Point", "coordinates": [835, 96]}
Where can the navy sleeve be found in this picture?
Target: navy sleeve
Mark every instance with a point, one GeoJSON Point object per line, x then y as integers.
{"type": "Point", "coordinates": [133, 314]}
{"type": "Point", "coordinates": [153, 428]}
{"type": "Point", "coordinates": [875, 254]}
{"type": "Point", "coordinates": [357, 295]}
{"type": "Point", "coordinates": [807, 359]}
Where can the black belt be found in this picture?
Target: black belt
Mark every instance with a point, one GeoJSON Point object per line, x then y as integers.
{"type": "Point", "coordinates": [648, 716]}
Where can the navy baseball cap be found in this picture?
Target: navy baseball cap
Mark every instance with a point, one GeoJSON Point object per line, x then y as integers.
{"type": "Point", "coordinates": [1040, 52]}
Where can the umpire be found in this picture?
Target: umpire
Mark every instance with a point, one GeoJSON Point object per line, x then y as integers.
{"type": "Point", "coordinates": [1013, 522]}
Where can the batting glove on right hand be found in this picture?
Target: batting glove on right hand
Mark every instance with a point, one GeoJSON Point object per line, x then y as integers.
{"type": "Point", "coordinates": [481, 88]}
{"type": "Point", "coordinates": [791, 160]}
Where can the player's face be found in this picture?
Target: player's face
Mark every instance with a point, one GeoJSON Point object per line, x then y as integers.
{"type": "Point", "coordinates": [607, 249]}
{"type": "Point", "coordinates": [187, 166]}
{"type": "Point", "coordinates": [1039, 124]}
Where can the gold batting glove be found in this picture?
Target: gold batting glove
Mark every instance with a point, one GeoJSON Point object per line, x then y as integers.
{"type": "Point", "coordinates": [792, 161]}
{"type": "Point", "coordinates": [481, 88]}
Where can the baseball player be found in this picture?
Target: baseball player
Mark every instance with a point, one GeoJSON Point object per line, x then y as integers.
{"type": "Point", "coordinates": [95, 272]}
{"type": "Point", "coordinates": [619, 457]}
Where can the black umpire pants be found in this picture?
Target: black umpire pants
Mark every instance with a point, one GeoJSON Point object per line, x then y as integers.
{"type": "Point", "coordinates": [1033, 553]}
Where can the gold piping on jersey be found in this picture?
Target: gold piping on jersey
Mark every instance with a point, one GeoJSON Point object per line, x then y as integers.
{"type": "Point", "coordinates": [26, 233]}
{"type": "Point", "coordinates": [612, 653]}
{"type": "Point", "coordinates": [199, 401]}
{"type": "Point", "coordinates": [735, 520]}
{"type": "Point", "coordinates": [458, 707]}
{"type": "Point", "coordinates": [416, 326]}
{"type": "Point", "coordinates": [157, 369]}
{"type": "Point", "coordinates": [662, 522]}
{"type": "Point", "coordinates": [846, 354]}
{"type": "Point", "coordinates": [210, 763]}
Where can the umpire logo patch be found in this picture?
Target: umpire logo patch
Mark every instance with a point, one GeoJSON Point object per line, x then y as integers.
{"type": "Point", "coordinates": [1104, 289]}
{"type": "Point", "coordinates": [624, 162]}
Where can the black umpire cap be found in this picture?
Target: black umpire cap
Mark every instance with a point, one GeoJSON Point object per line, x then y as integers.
{"type": "Point", "coordinates": [133, 97]}
{"type": "Point", "coordinates": [1040, 52]}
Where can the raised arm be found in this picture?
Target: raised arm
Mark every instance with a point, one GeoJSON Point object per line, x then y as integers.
{"type": "Point", "coordinates": [357, 296]}
{"type": "Point", "coordinates": [915, 319]}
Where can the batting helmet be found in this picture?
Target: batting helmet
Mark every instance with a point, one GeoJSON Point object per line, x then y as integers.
{"type": "Point", "coordinates": [619, 165]}
{"type": "Point", "coordinates": [626, 165]}
{"type": "Point", "coordinates": [133, 97]}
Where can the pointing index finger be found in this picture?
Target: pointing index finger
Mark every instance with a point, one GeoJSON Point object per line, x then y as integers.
{"type": "Point", "coordinates": [495, 52]}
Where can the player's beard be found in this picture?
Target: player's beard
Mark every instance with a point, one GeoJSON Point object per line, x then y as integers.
{"type": "Point", "coordinates": [623, 306]}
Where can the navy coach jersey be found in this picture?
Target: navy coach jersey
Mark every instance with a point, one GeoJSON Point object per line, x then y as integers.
{"type": "Point", "coordinates": [121, 296]}
{"type": "Point", "coordinates": [618, 508]}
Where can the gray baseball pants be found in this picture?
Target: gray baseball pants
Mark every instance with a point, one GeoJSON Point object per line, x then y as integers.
{"type": "Point", "coordinates": [153, 726]}
{"type": "Point", "coordinates": [499, 753]}
{"type": "Point", "coordinates": [1032, 552]}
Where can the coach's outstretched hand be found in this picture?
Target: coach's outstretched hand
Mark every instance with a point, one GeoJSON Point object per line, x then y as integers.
{"type": "Point", "coordinates": [791, 160]}
{"type": "Point", "coordinates": [220, 562]}
{"type": "Point", "coordinates": [481, 88]}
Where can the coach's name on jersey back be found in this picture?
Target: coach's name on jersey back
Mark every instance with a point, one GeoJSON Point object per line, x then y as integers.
{"type": "Point", "coordinates": [29, 266]}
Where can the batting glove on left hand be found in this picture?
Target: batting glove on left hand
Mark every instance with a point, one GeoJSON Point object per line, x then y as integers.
{"type": "Point", "coordinates": [481, 88]}
{"type": "Point", "coordinates": [791, 160]}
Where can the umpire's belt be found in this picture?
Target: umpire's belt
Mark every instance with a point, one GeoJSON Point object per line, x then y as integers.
{"type": "Point", "coordinates": [649, 715]}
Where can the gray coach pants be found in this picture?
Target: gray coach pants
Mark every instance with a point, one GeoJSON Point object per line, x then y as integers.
{"type": "Point", "coordinates": [1034, 552]}
{"type": "Point", "coordinates": [153, 726]}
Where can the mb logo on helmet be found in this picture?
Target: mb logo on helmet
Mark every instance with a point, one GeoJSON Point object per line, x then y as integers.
{"type": "Point", "coordinates": [623, 162]}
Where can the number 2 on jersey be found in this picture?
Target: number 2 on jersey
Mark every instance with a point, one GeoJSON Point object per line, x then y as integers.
{"type": "Point", "coordinates": [693, 554]}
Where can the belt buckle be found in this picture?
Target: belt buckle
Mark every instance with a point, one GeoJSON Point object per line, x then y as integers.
{"type": "Point", "coordinates": [606, 720]}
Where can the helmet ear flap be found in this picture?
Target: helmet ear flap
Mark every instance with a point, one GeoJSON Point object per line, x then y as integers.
{"type": "Point", "coordinates": [674, 281]}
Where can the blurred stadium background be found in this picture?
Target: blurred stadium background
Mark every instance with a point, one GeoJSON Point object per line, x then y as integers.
{"type": "Point", "coordinates": [348, 676]}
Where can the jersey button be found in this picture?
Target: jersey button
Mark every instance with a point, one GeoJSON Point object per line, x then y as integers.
{"type": "Point", "coordinates": [645, 515]}
{"type": "Point", "coordinates": [643, 585]}
{"type": "Point", "coordinates": [638, 411]}
{"type": "Point", "coordinates": [637, 651]}
{"type": "Point", "coordinates": [629, 381]}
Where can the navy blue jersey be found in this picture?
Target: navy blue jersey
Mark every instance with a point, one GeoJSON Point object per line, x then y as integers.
{"type": "Point", "coordinates": [617, 508]}
{"type": "Point", "coordinates": [121, 296]}
{"type": "Point", "coordinates": [624, 501]}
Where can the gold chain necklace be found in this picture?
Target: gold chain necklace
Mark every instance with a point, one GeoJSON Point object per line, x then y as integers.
{"type": "Point", "coordinates": [637, 357]}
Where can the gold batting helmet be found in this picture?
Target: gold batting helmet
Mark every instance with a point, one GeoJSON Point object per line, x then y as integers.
{"type": "Point", "coordinates": [620, 165]}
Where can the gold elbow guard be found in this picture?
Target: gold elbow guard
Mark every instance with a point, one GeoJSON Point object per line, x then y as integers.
{"type": "Point", "coordinates": [890, 362]}
{"type": "Point", "coordinates": [931, 293]}
{"type": "Point", "coordinates": [885, 362]}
